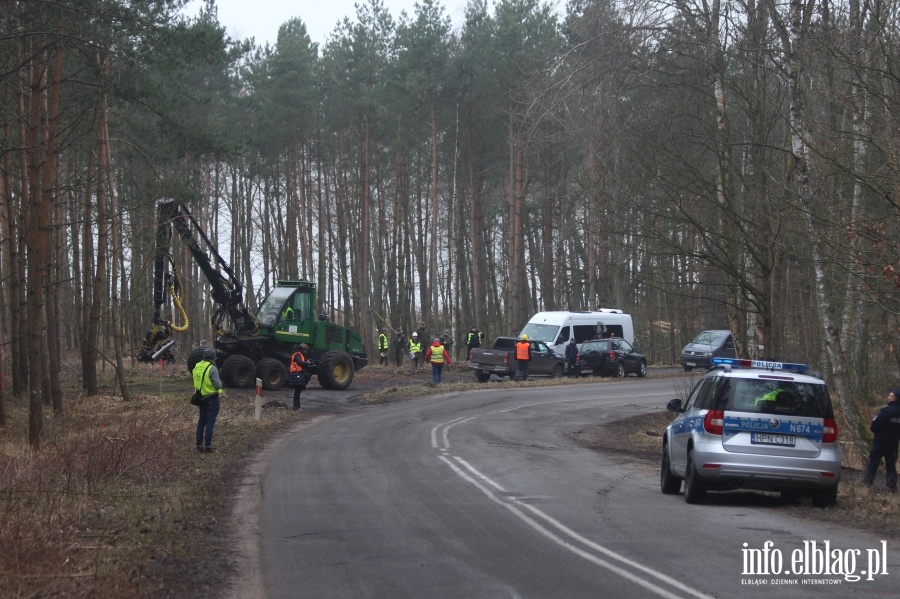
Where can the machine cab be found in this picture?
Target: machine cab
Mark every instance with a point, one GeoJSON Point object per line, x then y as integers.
{"type": "Point", "coordinates": [287, 305]}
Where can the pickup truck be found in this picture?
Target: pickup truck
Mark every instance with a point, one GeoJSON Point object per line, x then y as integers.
{"type": "Point", "coordinates": [610, 357]}
{"type": "Point", "coordinates": [501, 360]}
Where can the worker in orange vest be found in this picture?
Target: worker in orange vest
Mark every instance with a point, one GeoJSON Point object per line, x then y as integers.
{"type": "Point", "coordinates": [523, 357]}
{"type": "Point", "coordinates": [298, 375]}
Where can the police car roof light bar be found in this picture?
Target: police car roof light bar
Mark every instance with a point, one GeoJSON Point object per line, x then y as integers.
{"type": "Point", "coordinates": [764, 364]}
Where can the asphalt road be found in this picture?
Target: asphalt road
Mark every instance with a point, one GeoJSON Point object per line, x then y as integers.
{"type": "Point", "coordinates": [483, 494]}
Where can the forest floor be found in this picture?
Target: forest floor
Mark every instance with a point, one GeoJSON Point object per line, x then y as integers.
{"type": "Point", "coordinates": [117, 503]}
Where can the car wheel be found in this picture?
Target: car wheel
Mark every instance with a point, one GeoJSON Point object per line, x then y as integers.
{"type": "Point", "coordinates": [688, 368]}
{"type": "Point", "coordinates": [642, 369]}
{"type": "Point", "coordinates": [694, 488]}
{"type": "Point", "coordinates": [826, 498]}
{"type": "Point", "coordinates": [483, 376]}
{"type": "Point", "coordinates": [668, 482]}
{"type": "Point", "coordinates": [620, 370]}
{"type": "Point", "coordinates": [557, 372]}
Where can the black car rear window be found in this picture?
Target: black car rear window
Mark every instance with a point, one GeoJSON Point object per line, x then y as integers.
{"type": "Point", "coordinates": [786, 398]}
{"type": "Point", "coordinates": [589, 346]}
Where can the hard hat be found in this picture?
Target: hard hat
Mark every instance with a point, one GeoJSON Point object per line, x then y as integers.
{"type": "Point", "coordinates": [415, 334]}
{"type": "Point", "coordinates": [524, 337]}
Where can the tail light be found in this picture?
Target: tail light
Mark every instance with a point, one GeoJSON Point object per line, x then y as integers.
{"type": "Point", "coordinates": [506, 358]}
{"type": "Point", "coordinates": [714, 422]}
{"type": "Point", "coordinates": [829, 431]}
{"type": "Point", "coordinates": [612, 355]}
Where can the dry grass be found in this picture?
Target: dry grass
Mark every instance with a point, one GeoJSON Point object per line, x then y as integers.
{"type": "Point", "coordinates": [117, 503]}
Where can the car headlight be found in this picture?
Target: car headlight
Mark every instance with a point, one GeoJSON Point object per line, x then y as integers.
{"type": "Point", "coordinates": [706, 354]}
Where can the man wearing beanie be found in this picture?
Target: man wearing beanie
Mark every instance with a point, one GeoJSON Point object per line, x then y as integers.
{"type": "Point", "coordinates": [886, 426]}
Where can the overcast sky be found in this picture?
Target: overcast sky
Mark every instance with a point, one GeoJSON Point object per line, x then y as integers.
{"type": "Point", "coordinates": [262, 18]}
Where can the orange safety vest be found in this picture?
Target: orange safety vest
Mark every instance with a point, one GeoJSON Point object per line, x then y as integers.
{"type": "Point", "coordinates": [294, 366]}
{"type": "Point", "coordinates": [437, 354]}
{"type": "Point", "coordinates": [522, 348]}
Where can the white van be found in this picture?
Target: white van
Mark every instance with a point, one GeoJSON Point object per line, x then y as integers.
{"type": "Point", "coordinates": [556, 328]}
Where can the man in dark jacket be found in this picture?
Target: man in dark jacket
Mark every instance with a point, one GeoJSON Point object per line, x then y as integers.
{"type": "Point", "coordinates": [399, 346]}
{"type": "Point", "coordinates": [886, 426]}
{"type": "Point", "coordinates": [572, 358]}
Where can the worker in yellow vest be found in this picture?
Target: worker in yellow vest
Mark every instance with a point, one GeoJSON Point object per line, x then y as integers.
{"type": "Point", "coordinates": [382, 348]}
{"type": "Point", "coordinates": [438, 355]}
{"type": "Point", "coordinates": [415, 351]}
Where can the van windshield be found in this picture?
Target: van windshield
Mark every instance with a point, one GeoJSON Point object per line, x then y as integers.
{"type": "Point", "coordinates": [711, 337]}
{"type": "Point", "coordinates": [541, 332]}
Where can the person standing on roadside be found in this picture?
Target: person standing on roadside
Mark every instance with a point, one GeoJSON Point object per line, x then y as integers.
{"type": "Point", "coordinates": [886, 426]}
{"type": "Point", "coordinates": [415, 351]}
{"type": "Point", "coordinates": [423, 334]}
{"type": "Point", "coordinates": [438, 355]}
{"type": "Point", "coordinates": [447, 342]}
{"type": "Point", "coordinates": [473, 340]}
{"type": "Point", "coordinates": [572, 358]}
{"type": "Point", "coordinates": [382, 347]}
{"type": "Point", "coordinates": [298, 375]}
{"type": "Point", "coordinates": [399, 347]}
{"type": "Point", "coordinates": [523, 357]}
{"type": "Point", "coordinates": [209, 385]}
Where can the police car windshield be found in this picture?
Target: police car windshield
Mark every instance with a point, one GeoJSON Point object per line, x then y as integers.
{"type": "Point", "coordinates": [788, 398]}
{"type": "Point", "coordinates": [540, 332]}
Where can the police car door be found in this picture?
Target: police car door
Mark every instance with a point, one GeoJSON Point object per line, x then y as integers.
{"type": "Point", "coordinates": [690, 422]}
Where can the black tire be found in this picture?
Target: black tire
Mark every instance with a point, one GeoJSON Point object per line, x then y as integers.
{"type": "Point", "coordinates": [272, 373]}
{"type": "Point", "coordinates": [620, 370]}
{"type": "Point", "coordinates": [238, 371]}
{"type": "Point", "coordinates": [694, 488]}
{"type": "Point", "coordinates": [558, 372]}
{"type": "Point", "coordinates": [826, 498]}
{"type": "Point", "coordinates": [482, 376]}
{"type": "Point", "coordinates": [335, 371]}
{"type": "Point", "coordinates": [195, 356]}
{"type": "Point", "coordinates": [668, 482]}
{"type": "Point", "coordinates": [642, 369]}
{"type": "Point", "coordinates": [687, 368]}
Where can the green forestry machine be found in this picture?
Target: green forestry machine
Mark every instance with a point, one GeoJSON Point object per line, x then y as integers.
{"type": "Point", "coordinates": [259, 345]}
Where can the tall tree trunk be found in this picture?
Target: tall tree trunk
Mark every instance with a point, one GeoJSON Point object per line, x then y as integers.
{"type": "Point", "coordinates": [793, 35]}
{"type": "Point", "coordinates": [49, 170]}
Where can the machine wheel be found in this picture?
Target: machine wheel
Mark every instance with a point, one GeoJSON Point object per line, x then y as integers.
{"type": "Point", "coordinates": [826, 498]}
{"type": "Point", "coordinates": [335, 370]}
{"type": "Point", "coordinates": [238, 371]}
{"type": "Point", "coordinates": [557, 372]}
{"type": "Point", "coordinates": [195, 356]}
{"type": "Point", "coordinates": [668, 482]}
{"type": "Point", "coordinates": [620, 370]}
{"type": "Point", "coordinates": [483, 376]}
{"type": "Point", "coordinates": [642, 369]}
{"type": "Point", "coordinates": [694, 488]}
{"type": "Point", "coordinates": [272, 373]}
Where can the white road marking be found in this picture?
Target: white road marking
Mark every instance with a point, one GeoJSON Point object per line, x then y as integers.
{"type": "Point", "coordinates": [515, 506]}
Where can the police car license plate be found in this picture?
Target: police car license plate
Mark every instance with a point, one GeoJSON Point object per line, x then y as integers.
{"type": "Point", "coordinates": [773, 439]}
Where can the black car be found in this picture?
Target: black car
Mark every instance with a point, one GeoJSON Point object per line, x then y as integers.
{"type": "Point", "coordinates": [610, 357]}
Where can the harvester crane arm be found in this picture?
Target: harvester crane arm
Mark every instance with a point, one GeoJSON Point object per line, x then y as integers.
{"type": "Point", "coordinates": [226, 289]}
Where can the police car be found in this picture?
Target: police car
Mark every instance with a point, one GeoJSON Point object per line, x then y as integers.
{"type": "Point", "coordinates": [757, 425]}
